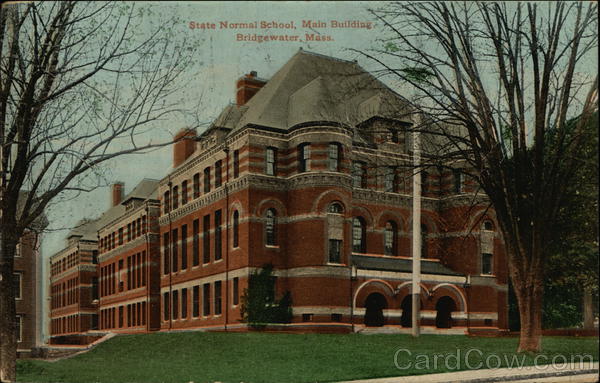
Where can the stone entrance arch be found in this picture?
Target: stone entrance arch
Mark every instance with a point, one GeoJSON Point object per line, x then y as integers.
{"type": "Point", "coordinates": [374, 306]}
{"type": "Point", "coordinates": [444, 307]}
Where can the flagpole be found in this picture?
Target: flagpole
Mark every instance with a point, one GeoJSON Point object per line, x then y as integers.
{"type": "Point", "coordinates": [416, 229]}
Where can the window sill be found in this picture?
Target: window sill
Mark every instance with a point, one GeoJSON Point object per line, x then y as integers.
{"type": "Point", "coordinates": [336, 264]}
{"type": "Point", "coordinates": [272, 246]}
{"type": "Point", "coordinates": [488, 275]}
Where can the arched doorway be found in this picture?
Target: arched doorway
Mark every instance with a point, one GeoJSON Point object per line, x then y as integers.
{"type": "Point", "coordinates": [444, 307]}
{"type": "Point", "coordinates": [374, 305]}
{"type": "Point", "coordinates": [406, 307]}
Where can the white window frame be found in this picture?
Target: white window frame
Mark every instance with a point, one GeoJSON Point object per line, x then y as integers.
{"type": "Point", "coordinates": [19, 294]}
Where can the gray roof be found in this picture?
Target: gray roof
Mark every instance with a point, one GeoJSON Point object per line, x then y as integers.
{"type": "Point", "coordinates": [400, 264]}
{"type": "Point", "coordinates": [88, 229]}
{"type": "Point", "coordinates": [312, 87]}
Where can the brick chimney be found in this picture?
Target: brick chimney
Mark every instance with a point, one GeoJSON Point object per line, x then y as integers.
{"type": "Point", "coordinates": [247, 86]}
{"type": "Point", "coordinates": [117, 193]}
{"type": "Point", "coordinates": [184, 146]}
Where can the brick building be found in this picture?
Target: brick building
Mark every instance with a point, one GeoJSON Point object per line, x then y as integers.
{"type": "Point", "coordinates": [28, 293]}
{"type": "Point", "coordinates": [309, 171]}
{"type": "Point", "coordinates": [128, 261]}
{"type": "Point", "coordinates": [74, 284]}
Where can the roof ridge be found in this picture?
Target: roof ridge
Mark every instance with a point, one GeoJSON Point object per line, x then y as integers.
{"type": "Point", "coordinates": [326, 56]}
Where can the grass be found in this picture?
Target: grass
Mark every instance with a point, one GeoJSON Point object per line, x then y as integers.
{"type": "Point", "coordinates": [261, 357]}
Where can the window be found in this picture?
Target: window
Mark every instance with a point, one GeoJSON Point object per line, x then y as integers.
{"type": "Point", "coordinates": [391, 238]}
{"type": "Point", "coordinates": [166, 202]}
{"type": "Point", "coordinates": [488, 225]}
{"type": "Point", "coordinates": [207, 179]}
{"type": "Point", "coordinates": [271, 169]}
{"type": "Point", "coordinates": [236, 229]}
{"type": "Point", "coordinates": [175, 253]}
{"type": "Point", "coordinates": [334, 157]}
{"type": "Point", "coordinates": [218, 298]}
{"type": "Point", "coordinates": [184, 298]}
{"type": "Point", "coordinates": [206, 239]}
{"type": "Point", "coordinates": [458, 181]}
{"type": "Point", "coordinates": [175, 304]}
{"type": "Point", "coordinates": [394, 136]}
{"type": "Point", "coordinates": [335, 250]}
{"type": "Point", "coordinates": [206, 299]}
{"type": "Point", "coordinates": [307, 317]}
{"type": "Point", "coordinates": [271, 228]}
{"type": "Point", "coordinates": [486, 263]}
{"type": "Point", "coordinates": [218, 173]}
{"type": "Point", "coordinates": [120, 236]}
{"type": "Point", "coordinates": [19, 323]}
{"type": "Point", "coordinates": [218, 238]}
{"type": "Point", "coordinates": [359, 178]}
{"type": "Point", "coordinates": [166, 267]}
{"type": "Point", "coordinates": [175, 197]}
{"type": "Point", "coordinates": [120, 316]}
{"type": "Point", "coordinates": [358, 235]}
{"type": "Point", "coordinates": [236, 291]}
{"type": "Point", "coordinates": [94, 288]}
{"type": "Point", "coordinates": [335, 208]}
{"type": "Point", "coordinates": [196, 243]}
{"type": "Point", "coordinates": [389, 180]}
{"type": "Point", "coordinates": [129, 238]}
{"type": "Point", "coordinates": [184, 256]}
{"type": "Point", "coordinates": [236, 163]}
{"type": "Point", "coordinates": [303, 157]}
{"type": "Point", "coordinates": [18, 250]}
{"type": "Point", "coordinates": [184, 192]}
{"type": "Point", "coordinates": [166, 305]}
{"type": "Point", "coordinates": [424, 181]}
{"type": "Point", "coordinates": [17, 285]}
{"type": "Point", "coordinates": [336, 317]}
{"type": "Point", "coordinates": [196, 301]}
{"type": "Point", "coordinates": [196, 185]}
{"type": "Point", "coordinates": [424, 248]}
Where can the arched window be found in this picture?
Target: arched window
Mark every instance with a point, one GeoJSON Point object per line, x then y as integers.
{"type": "Point", "coordinates": [424, 249]}
{"type": "Point", "coordinates": [335, 208]}
{"type": "Point", "coordinates": [390, 238]}
{"type": "Point", "coordinates": [271, 227]}
{"type": "Point", "coordinates": [236, 229]}
{"type": "Point", "coordinates": [488, 225]}
{"type": "Point", "coordinates": [359, 234]}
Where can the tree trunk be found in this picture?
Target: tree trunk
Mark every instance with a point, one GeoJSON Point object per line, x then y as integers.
{"type": "Point", "coordinates": [8, 338]}
{"type": "Point", "coordinates": [529, 298]}
{"type": "Point", "coordinates": [588, 309]}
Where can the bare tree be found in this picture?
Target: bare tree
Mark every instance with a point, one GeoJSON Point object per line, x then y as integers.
{"type": "Point", "coordinates": [80, 84]}
{"type": "Point", "coordinates": [499, 81]}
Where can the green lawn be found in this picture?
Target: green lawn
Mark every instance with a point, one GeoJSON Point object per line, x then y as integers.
{"type": "Point", "coordinates": [258, 357]}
